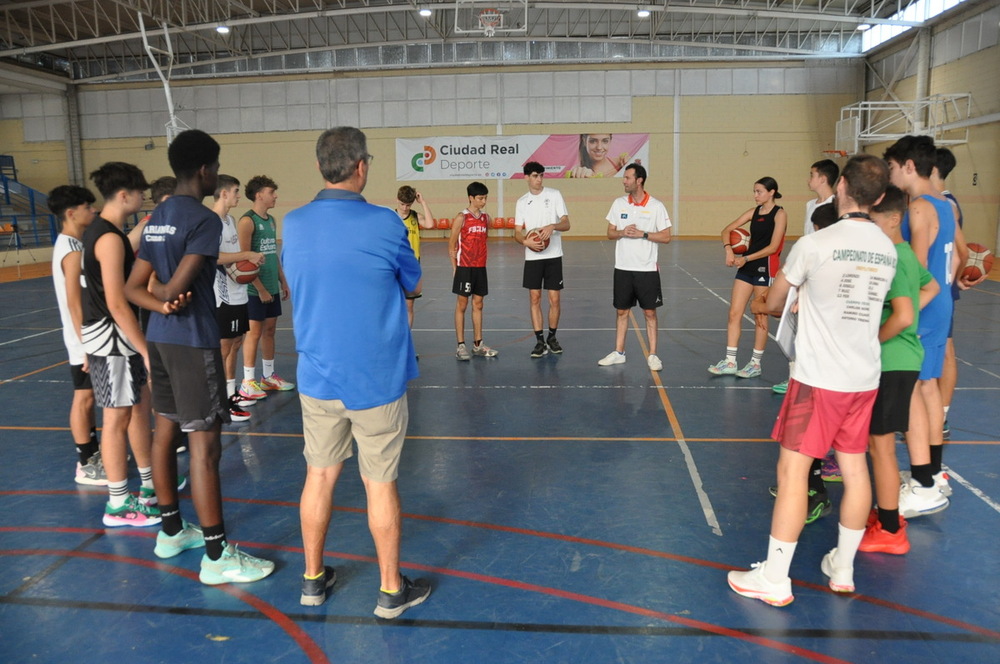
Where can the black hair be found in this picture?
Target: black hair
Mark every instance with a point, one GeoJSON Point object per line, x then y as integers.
{"type": "Point", "coordinates": [257, 184]}
{"type": "Point", "coordinates": [115, 176]}
{"type": "Point", "coordinates": [640, 172]}
{"type": "Point", "coordinates": [477, 189]}
{"type": "Point", "coordinates": [945, 162]}
{"type": "Point", "coordinates": [190, 150]}
{"type": "Point", "coordinates": [918, 149]}
{"type": "Point", "coordinates": [770, 184]}
{"type": "Point", "coordinates": [824, 215]}
{"type": "Point", "coordinates": [68, 196]}
{"type": "Point", "coordinates": [224, 182]}
{"type": "Point", "coordinates": [828, 169]}
{"type": "Point", "coordinates": [533, 167]}
{"type": "Point", "coordinates": [161, 187]}
{"type": "Point", "coordinates": [894, 202]}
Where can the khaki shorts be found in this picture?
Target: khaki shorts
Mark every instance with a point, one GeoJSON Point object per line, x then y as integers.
{"type": "Point", "coordinates": [329, 427]}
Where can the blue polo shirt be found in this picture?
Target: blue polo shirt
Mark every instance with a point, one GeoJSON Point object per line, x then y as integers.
{"type": "Point", "coordinates": [348, 264]}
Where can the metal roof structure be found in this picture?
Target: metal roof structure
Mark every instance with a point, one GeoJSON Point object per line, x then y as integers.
{"type": "Point", "coordinates": [90, 41]}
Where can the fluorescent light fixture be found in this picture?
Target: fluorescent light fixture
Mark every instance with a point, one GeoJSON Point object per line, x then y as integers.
{"type": "Point", "coordinates": [642, 13]}
{"type": "Point", "coordinates": [864, 26]}
{"type": "Point", "coordinates": [222, 29]}
{"type": "Point", "coordinates": [425, 12]}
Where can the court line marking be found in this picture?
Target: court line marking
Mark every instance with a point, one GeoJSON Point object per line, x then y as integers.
{"type": "Point", "coordinates": [976, 491]}
{"type": "Point", "coordinates": [30, 336]}
{"type": "Point", "coordinates": [26, 313]}
{"type": "Point", "coordinates": [32, 373]}
{"type": "Point", "coordinates": [706, 503]}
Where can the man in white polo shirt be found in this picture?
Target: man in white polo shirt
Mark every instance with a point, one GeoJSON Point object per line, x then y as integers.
{"type": "Point", "coordinates": [542, 210]}
{"type": "Point", "coordinates": [638, 222]}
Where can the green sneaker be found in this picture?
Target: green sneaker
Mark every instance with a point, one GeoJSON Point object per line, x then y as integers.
{"type": "Point", "coordinates": [780, 388]}
{"type": "Point", "coordinates": [132, 513]}
{"type": "Point", "coordinates": [233, 567]}
{"type": "Point", "coordinates": [147, 495]}
{"type": "Point", "coordinates": [168, 546]}
{"type": "Point", "coordinates": [819, 506]}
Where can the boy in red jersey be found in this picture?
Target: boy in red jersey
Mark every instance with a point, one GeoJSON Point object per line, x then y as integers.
{"type": "Point", "coordinates": [467, 249]}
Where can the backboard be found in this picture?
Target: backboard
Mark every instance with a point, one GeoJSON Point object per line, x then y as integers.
{"type": "Point", "coordinates": [491, 17]}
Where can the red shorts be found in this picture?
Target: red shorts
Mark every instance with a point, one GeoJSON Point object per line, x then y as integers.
{"type": "Point", "coordinates": [812, 420]}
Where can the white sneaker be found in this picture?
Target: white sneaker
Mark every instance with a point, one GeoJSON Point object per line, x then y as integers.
{"type": "Point", "coordinates": [841, 578]}
{"type": "Point", "coordinates": [916, 500]}
{"type": "Point", "coordinates": [754, 584]}
{"type": "Point", "coordinates": [614, 357]}
{"type": "Point", "coordinates": [654, 363]}
{"type": "Point", "coordinates": [940, 481]}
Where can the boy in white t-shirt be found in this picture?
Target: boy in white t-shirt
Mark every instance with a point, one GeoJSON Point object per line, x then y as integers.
{"type": "Point", "coordinates": [542, 209]}
{"type": "Point", "coordinates": [74, 206]}
{"type": "Point", "coordinates": [638, 222]}
{"type": "Point", "coordinates": [842, 276]}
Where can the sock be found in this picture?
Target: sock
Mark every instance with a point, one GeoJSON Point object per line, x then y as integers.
{"type": "Point", "coordinates": [936, 452]}
{"type": "Point", "coordinates": [731, 354]}
{"type": "Point", "coordinates": [538, 335]}
{"type": "Point", "coordinates": [230, 386]}
{"type": "Point", "coordinates": [923, 474]}
{"type": "Point", "coordinates": [83, 453]}
{"type": "Point", "coordinates": [171, 523]}
{"type": "Point", "coordinates": [552, 332]}
{"type": "Point", "coordinates": [215, 541]}
{"type": "Point", "coordinates": [889, 520]}
{"type": "Point", "coordinates": [848, 541]}
{"type": "Point", "coordinates": [816, 477]}
{"type": "Point", "coordinates": [946, 409]}
{"type": "Point", "coordinates": [313, 578]}
{"type": "Point", "coordinates": [249, 372]}
{"type": "Point", "coordinates": [757, 355]}
{"type": "Point", "coordinates": [477, 343]}
{"type": "Point", "coordinates": [117, 493]}
{"type": "Point", "coordinates": [392, 592]}
{"type": "Point", "coordinates": [268, 368]}
{"type": "Point", "coordinates": [779, 560]}
{"type": "Point", "coordinates": [146, 474]}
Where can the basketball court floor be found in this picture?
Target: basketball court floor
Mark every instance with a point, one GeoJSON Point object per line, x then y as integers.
{"type": "Point", "coordinates": [564, 512]}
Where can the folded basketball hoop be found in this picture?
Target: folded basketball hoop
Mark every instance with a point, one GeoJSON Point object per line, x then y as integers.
{"type": "Point", "coordinates": [489, 20]}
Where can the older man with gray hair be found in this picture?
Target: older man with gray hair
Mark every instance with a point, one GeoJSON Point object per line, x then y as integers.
{"type": "Point", "coordinates": [350, 266]}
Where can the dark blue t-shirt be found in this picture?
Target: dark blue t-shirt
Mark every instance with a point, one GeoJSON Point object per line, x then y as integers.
{"type": "Point", "coordinates": [180, 226]}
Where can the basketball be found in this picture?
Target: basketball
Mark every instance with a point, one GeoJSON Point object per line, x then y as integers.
{"type": "Point", "coordinates": [739, 239]}
{"type": "Point", "coordinates": [532, 235]}
{"type": "Point", "coordinates": [242, 272]}
{"type": "Point", "coordinates": [980, 262]}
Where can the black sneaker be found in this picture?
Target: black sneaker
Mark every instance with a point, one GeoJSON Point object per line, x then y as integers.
{"type": "Point", "coordinates": [314, 590]}
{"type": "Point", "coordinates": [554, 345]}
{"type": "Point", "coordinates": [390, 605]}
{"type": "Point", "coordinates": [539, 349]}
{"type": "Point", "coordinates": [236, 412]}
{"type": "Point", "coordinates": [819, 506]}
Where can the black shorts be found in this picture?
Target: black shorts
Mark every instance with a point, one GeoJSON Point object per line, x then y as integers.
{"type": "Point", "coordinates": [189, 385]}
{"type": "Point", "coordinates": [891, 411]}
{"type": "Point", "coordinates": [258, 311]}
{"type": "Point", "coordinates": [632, 287]}
{"type": "Point", "coordinates": [470, 281]}
{"type": "Point", "coordinates": [544, 273]}
{"type": "Point", "coordinates": [233, 320]}
{"type": "Point", "coordinates": [81, 379]}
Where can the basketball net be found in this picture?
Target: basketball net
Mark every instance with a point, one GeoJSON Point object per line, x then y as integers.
{"type": "Point", "coordinates": [489, 21]}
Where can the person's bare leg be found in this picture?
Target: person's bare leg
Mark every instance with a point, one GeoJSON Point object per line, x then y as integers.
{"type": "Point", "coordinates": [621, 327]}
{"type": "Point", "coordinates": [918, 436]}
{"type": "Point", "coordinates": [652, 328]}
{"type": "Point", "coordinates": [856, 503]}
{"type": "Point", "coordinates": [535, 308]}
{"type": "Point", "coordinates": [385, 523]}
{"type": "Point", "coordinates": [477, 318]}
{"type": "Point", "coordinates": [315, 508]}
{"type": "Point", "coordinates": [114, 440]}
{"type": "Point", "coordinates": [461, 304]}
{"type": "Point", "coordinates": [140, 435]}
{"type": "Point", "coordinates": [267, 339]}
{"type": "Point", "coordinates": [885, 468]}
{"type": "Point", "coordinates": [555, 309]}
{"type": "Point", "coordinates": [250, 343]}
{"type": "Point", "coordinates": [165, 460]}
{"type": "Point", "coordinates": [790, 505]}
{"type": "Point", "coordinates": [206, 491]}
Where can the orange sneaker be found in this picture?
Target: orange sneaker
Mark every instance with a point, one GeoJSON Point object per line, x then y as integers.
{"type": "Point", "coordinates": [878, 540]}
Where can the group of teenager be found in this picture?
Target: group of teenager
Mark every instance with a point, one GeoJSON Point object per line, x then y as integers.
{"type": "Point", "coordinates": [873, 317]}
{"type": "Point", "coordinates": [873, 288]}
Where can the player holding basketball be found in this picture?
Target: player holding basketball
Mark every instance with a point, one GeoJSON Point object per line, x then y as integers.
{"type": "Point", "coordinates": [542, 209]}
{"type": "Point", "coordinates": [74, 207]}
{"type": "Point", "coordinates": [467, 250]}
{"type": "Point", "coordinates": [258, 232]}
{"type": "Point", "coordinates": [350, 266]}
{"type": "Point", "coordinates": [180, 243]}
{"type": "Point", "coordinates": [413, 221]}
{"type": "Point", "coordinates": [231, 308]}
{"type": "Point", "coordinates": [754, 271]}
{"type": "Point", "coordinates": [842, 274]}
{"type": "Point", "coordinates": [639, 223]}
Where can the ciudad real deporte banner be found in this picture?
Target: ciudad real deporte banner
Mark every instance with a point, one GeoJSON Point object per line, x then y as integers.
{"type": "Point", "coordinates": [503, 157]}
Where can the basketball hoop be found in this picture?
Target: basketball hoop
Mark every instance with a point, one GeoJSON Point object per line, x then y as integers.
{"type": "Point", "coordinates": [835, 153]}
{"type": "Point", "coordinates": [489, 21]}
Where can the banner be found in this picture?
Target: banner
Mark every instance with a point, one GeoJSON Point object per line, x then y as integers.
{"type": "Point", "coordinates": [503, 157]}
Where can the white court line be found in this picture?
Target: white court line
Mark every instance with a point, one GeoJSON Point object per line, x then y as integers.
{"type": "Point", "coordinates": [26, 313]}
{"type": "Point", "coordinates": [975, 490]}
{"type": "Point", "coordinates": [706, 503]}
{"type": "Point", "coordinates": [31, 336]}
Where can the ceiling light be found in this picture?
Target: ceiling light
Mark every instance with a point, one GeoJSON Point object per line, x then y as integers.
{"type": "Point", "coordinates": [222, 29]}
{"type": "Point", "coordinates": [642, 13]}
{"type": "Point", "coordinates": [425, 12]}
{"type": "Point", "coordinates": [864, 26]}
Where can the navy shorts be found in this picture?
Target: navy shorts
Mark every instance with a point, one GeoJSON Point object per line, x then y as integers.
{"type": "Point", "coordinates": [258, 311]}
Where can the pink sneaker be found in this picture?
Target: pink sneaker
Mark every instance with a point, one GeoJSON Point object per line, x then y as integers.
{"type": "Point", "coordinates": [276, 382]}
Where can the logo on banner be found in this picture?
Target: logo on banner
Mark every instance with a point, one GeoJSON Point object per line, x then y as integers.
{"type": "Point", "coordinates": [425, 158]}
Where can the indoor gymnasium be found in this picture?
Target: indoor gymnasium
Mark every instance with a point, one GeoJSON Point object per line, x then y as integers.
{"type": "Point", "coordinates": [602, 454]}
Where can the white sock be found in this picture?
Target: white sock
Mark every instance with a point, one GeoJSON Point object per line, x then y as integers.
{"type": "Point", "coordinates": [117, 493]}
{"type": "Point", "coordinates": [848, 542]}
{"type": "Point", "coordinates": [249, 372]}
{"type": "Point", "coordinates": [268, 368]}
{"type": "Point", "coordinates": [146, 474]}
{"type": "Point", "coordinates": [946, 408]}
{"type": "Point", "coordinates": [230, 386]}
{"type": "Point", "coordinates": [757, 355]}
{"type": "Point", "coordinates": [779, 559]}
{"type": "Point", "coordinates": [731, 354]}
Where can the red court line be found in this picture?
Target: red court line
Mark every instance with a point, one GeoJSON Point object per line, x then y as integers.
{"type": "Point", "coordinates": [309, 647]}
